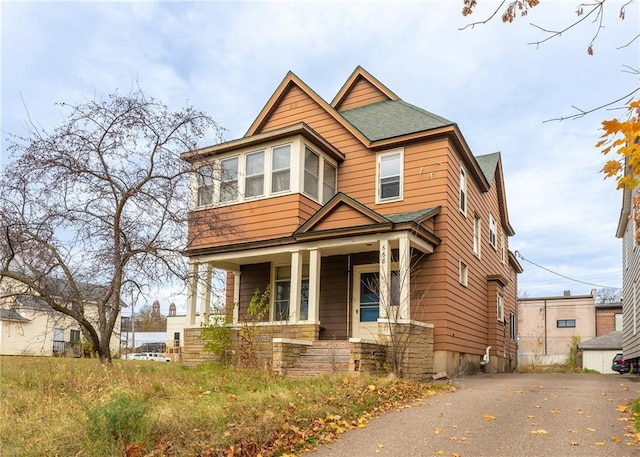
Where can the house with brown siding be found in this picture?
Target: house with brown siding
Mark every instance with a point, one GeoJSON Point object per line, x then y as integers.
{"type": "Point", "coordinates": [358, 213]}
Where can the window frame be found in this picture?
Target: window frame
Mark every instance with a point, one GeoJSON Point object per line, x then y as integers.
{"type": "Point", "coordinates": [379, 159]}
{"type": "Point", "coordinates": [334, 186]}
{"type": "Point", "coordinates": [273, 171]}
{"type": "Point", "coordinates": [201, 185]}
{"type": "Point", "coordinates": [477, 230]}
{"type": "Point", "coordinates": [275, 304]}
{"type": "Point", "coordinates": [248, 176]}
{"type": "Point", "coordinates": [225, 182]}
{"type": "Point", "coordinates": [500, 308]}
{"type": "Point", "coordinates": [309, 173]}
{"type": "Point", "coordinates": [463, 273]}
{"type": "Point", "coordinates": [565, 323]}
{"type": "Point", "coordinates": [462, 196]}
{"type": "Point", "coordinates": [493, 232]}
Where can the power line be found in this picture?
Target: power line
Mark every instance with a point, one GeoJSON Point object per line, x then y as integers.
{"type": "Point", "coordinates": [517, 253]}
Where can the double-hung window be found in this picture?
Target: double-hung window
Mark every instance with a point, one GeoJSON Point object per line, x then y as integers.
{"type": "Point", "coordinates": [500, 308]}
{"type": "Point", "coordinates": [476, 235]}
{"type": "Point", "coordinates": [389, 176]}
{"type": "Point", "coordinates": [492, 231]}
{"type": "Point", "coordinates": [311, 173]}
{"type": "Point", "coordinates": [254, 174]}
{"type": "Point", "coordinates": [229, 179]}
{"type": "Point", "coordinates": [281, 168]}
{"type": "Point", "coordinates": [328, 182]}
{"type": "Point", "coordinates": [205, 185]}
{"type": "Point", "coordinates": [463, 191]}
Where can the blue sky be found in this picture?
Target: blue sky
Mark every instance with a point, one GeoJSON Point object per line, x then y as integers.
{"type": "Point", "coordinates": [227, 58]}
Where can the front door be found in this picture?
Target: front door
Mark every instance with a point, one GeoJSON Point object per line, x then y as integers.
{"type": "Point", "coordinates": [366, 302]}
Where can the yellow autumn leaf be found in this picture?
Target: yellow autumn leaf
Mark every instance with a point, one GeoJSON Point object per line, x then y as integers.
{"type": "Point", "coordinates": [440, 452]}
{"type": "Point", "coordinates": [437, 431]}
{"type": "Point", "coordinates": [489, 417]}
{"type": "Point", "coordinates": [361, 425]}
{"type": "Point", "coordinates": [621, 408]}
{"type": "Point", "coordinates": [539, 432]}
{"type": "Point", "coordinates": [599, 443]}
{"type": "Point", "coordinates": [591, 429]}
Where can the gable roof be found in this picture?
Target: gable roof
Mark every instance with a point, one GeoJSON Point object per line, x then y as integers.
{"type": "Point", "coordinates": [12, 315]}
{"type": "Point", "coordinates": [360, 75]}
{"type": "Point", "coordinates": [320, 224]}
{"type": "Point", "coordinates": [392, 118]}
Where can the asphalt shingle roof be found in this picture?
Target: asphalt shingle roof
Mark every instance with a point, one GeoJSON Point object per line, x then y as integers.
{"type": "Point", "coordinates": [488, 163]}
{"type": "Point", "coordinates": [392, 118]}
{"type": "Point", "coordinates": [612, 340]}
{"type": "Point", "coordinates": [410, 216]}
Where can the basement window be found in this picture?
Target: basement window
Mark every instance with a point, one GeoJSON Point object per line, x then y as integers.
{"type": "Point", "coordinates": [566, 323]}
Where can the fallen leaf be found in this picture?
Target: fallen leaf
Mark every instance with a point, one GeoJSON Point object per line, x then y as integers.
{"type": "Point", "coordinates": [437, 431]}
{"type": "Point", "coordinates": [574, 431]}
{"type": "Point", "coordinates": [574, 443]}
{"type": "Point", "coordinates": [539, 432]}
{"type": "Point", "coordinates": [599, 443]}
{"type": "Point", "coordinates": [530, 416]}
{"type": "Point", "coordinates": [440, 452]}
{"type": "Point", "coordinates": [361, 425]}
{"type": "Point", "coordinates": [453, 438]}
{"type": "Point", "coordinates": [489, 417]}
{"type": "Point", "coordinates": [621, 408]}
{"type": "Point", "coordinates": [616, 439]}
{"type": "Point", "coordinates": [591, 429]}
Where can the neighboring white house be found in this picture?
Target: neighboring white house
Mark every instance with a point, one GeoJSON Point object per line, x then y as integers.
{"type": "Point", "coordinates": [630, 278]}
{"type": "Point", "coordinates": [28, 326]}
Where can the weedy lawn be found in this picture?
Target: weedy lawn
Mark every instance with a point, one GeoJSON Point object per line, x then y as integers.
{"type": "Point", "coordinates": [56, 406]}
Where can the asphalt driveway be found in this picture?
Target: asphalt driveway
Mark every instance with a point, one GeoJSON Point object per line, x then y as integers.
{"type": "Point", "coordinates": [505, 415]}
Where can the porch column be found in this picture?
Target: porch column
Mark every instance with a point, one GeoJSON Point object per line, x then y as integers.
{"type": "Point", "coordinates": [296, 286]}
{"type": "Point", "coordinates": [385, 278]}
{"type": "Point", "coordinates": [192, 294]}
{"type": "Point", "coordinates": [314, 286]}
{"type": "Point", "coordinates": [405, 277]}
{"type": "Point", "coordinates": [205, 293]}
{"type": "Point", "coordinates": [236, 297]}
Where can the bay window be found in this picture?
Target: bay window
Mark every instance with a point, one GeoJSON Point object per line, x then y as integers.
{"type": "Point", "coordinates": [229, 179]}
{"type": "Point", "coordinates": [311, 173]}
{"type": "Point", "coordinates": [328, 182]}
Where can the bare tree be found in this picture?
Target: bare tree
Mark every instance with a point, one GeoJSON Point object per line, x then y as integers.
{"type": "Point", "coordinates": [609, 296]}
{"type": "Point", "coordinates": [101, 199]}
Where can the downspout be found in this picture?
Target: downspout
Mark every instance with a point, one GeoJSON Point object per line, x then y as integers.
{"type": "Point", "coordinates": [349, 279]}
{"type": "Point", "coordinates": [545, 327]}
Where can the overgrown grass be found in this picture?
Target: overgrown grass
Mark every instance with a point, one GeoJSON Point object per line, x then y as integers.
{"type": "Point", "coordinates": [55, 406]}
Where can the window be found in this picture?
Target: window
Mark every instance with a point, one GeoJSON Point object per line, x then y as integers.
{"type": "Point", "coordinates": [566, 323]}
{"type": "Point", "coordinates": [513, 326]}
{"type": "Point", "coordinates": [500, 308]}
{"type": "Point", "coordinates": [389, 176]}
{"type": "Point", "coordinates": [311, 173]}
{"type": "Point", "coordinates": [205, 185]}
{"type": "Point", "coordinates": [492, 231]}
{"type": "Point", "coordinates": [280, 168]}
{"type": "Point", "coordinates": [476, 235]}
{"type": "Point", "coordinates": [464, 274]}
{"type": "Point", "coordinates": [282, 293]}
{"type": "Point", "coordinates": [254, 174]}
{"type": "Point", "coordinates": [618, 322]}
{"type": "Point", "coordinates": [369, 298]}
{"type": "Point", "coordinates": [328, 182]}
{"type": "Point", "coordinates": [74, 336]}
{"type": "Point", "coordinates": [229, 179]}
{"type": "Point", "coordinates": [463, 191]}
{"type": "Point", "coordinates": [304, 292]}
